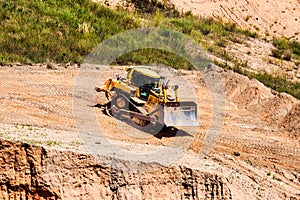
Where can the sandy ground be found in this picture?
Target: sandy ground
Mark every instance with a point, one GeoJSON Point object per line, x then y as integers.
{"type": "Point", "coordinates": [267, 17]}
{"type": "Point", "coordinates": [37, 106]}
{"type": "Point", "coordinates": [279, 18]}
{"type": "Point", "coordinates": [258, 149]}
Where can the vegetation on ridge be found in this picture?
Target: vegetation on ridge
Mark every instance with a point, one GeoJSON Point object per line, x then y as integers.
{"type": "Point", "coordinates": [43, 31]}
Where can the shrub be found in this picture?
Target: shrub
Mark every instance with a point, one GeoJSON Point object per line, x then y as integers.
{"type": "Point", "coordinates": [281, 43]}
{"type": "Point", "coordinates": [276, 53]}
{"type": "Point", "coordinates": [287, 56]}
{"type": "Point", "coordinates": [250, 33]}
{"type": "Point", "coordinates": [296, 48]}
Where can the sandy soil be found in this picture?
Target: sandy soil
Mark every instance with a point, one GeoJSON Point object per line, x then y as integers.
{"type": "Point", "coordinates": [259, 143]}
{"type": "Point", "coordinates": [269, 18]}
{"type": "Point", "coordinates": [258, 151]}
{"type": "Point", "coordinates": [279, 18]}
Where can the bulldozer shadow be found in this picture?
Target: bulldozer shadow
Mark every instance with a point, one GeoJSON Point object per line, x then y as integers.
{"type": "Point", "coordinates": [157, 131]}
{"type": "Point", "coordinates": [168, 132]}
{"type": "Point", "coordinates": [100, 106]}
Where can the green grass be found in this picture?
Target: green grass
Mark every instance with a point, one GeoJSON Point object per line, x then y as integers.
{"type": "Point", "coordinates": [60, 31]}
{"type": "Point", "coordinates": [279, 84]}
{"type": "Point", "coordinates": [34, 142]}
{"type": "Point", "coordinates": [286, 49]}
{"type": "Point", "coordinates": [43, 31]}
{"type": "Point", "coordinates": [52, 143]}
{"type": "Point", "coordinates": [154, 56]}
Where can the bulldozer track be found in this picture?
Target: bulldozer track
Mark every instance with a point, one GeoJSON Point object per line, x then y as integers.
{"type": "Point", "coordinates": [269, 148]}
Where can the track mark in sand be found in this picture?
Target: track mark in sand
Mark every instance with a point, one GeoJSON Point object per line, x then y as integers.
{"type": "Point", "coordinates": [259, 145]}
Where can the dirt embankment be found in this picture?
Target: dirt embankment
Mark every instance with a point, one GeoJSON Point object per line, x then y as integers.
{"type": "Point", "coordinates": [291, 122]}
{"type": "Point", "coordinates": [279, 18]}
{"type": "Point", "coordinates": [31, 172]}
{"type": "Point", "coordinates": [278, 109]}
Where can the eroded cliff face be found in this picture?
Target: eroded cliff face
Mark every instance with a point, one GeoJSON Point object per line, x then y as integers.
{"type": "Point", "coordinates": [21, 172]}
{"type": "Point", "coordinates": [32, 172]}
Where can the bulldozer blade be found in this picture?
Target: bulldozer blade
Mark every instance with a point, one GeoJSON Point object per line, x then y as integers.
{"type": "Point", "coordinates": [180, 114]}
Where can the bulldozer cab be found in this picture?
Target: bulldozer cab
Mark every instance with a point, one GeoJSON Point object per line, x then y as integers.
{"type": "Point", "coordinates": [145, 80]}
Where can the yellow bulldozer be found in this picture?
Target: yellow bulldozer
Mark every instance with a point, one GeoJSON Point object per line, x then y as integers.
{"type": "Point", "coordinates": [142, 97]}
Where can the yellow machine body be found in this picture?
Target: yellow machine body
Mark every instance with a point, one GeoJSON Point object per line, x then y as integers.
{"type": "Point", "coordinates": [144, 94]}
